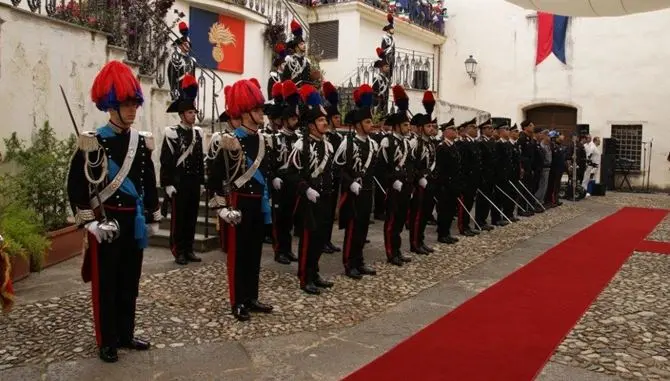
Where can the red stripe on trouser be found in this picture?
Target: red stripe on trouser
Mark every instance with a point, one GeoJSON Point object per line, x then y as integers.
{"type": "Point", "coordinates": [343, 198]}
{"type": "Point", "coordinates": [417, 218]}
{"type": "Point", "coordinates": [232, 253]}
{"type": "Point", "coordinates": [302, 272]}
{"type": "Point", "coordinates": [173, 226]}
{"type": "Point", "coordinates": [346, 253]}
{"type": "Point", "coordinates": [275, 235]}
{"type": "Point", "coordinates": [460, 216]}
{"type": "Point", "coordinates": [388, 236]}
{"type": "Point", "coordinates": [93, 248]}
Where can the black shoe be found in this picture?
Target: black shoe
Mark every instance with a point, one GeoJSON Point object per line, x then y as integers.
{"type": "Point", "coordinates": [559, 203]}
{"type": "Point", "coordinates": [241, 312]}
{"type": "Point", "coordinates": [380, 217]}
{"type": "Point", "coordinates": [282, 258]}
{"type": "Point", "coordinates": [191, 257]}
{"type": "Point", "coordinates": [367, 240]}
{"type": "Point", "coordinates": [311, 289]}
{"type": "Point", "coordinates": [468, 233]}
{"type": "Point", "coordinates": [419, 250]}
{"type": "Point", "coordinates": [292, 257]}
{"type": "Point", "coordinates": [514, 219]}
{"type": "Point", "coordinates": [108, 354]}
{"type": "Point", "coordinates": [327, 250]}
{"type": "Point", "coordinates": [539, 210]}
{"type": "Point", "coordinates": [334, 248]}
{"type": "Point", "coordinates": [485, 227]}
{"type": "Point", "coordinates": [427, 249]}
{"type": "Point", "coordinates": [322, 283]}
{"type": "Point", "coordinates": [256, 306]}
{"type": "Point", "coordinates": [395, 260]}
{"type": "Point", "coordinates": [367, 270]}
{"type": "Point", "coordinates": [136, 344]}
{"type": "Point", "coordinates": [267, 240]}
{"type": "Point", "coordinates": [371, 222]}
{"type": "Point", "coordinates": [353, 274]}
{"type": "Point", "coordinates": [431, 222]}
{"type": "Point", "coordinates": [181, 260]}
{"type": "Point", "coordinates": [501, 223]}
{"type": "Point", "coordinates": [449, 240]}
{"type": "Point", "coordinates": [404, 258]}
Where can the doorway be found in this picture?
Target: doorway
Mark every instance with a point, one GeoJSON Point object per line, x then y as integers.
{"type": "Point", "coordinates": [553, 117]}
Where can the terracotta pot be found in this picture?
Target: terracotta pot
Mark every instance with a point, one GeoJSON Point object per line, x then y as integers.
{"type": "Point", "coordinates": [20, 268]}
{"type": "Point", "coordinates": [66, 243]}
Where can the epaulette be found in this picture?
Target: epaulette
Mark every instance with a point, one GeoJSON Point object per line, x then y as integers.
{"type": "Point", "coordinates": [229, 142]}
{"type": "Point", "coordinates": [269, 139]}
{"type": "Point", "coordinates": [298, 145]}
{"type": "Point", "coordinates": [198, 130]}
{"type": "Point", "coordinates": [329, 147]}
{"type": "Point", "coordinates": [88, 141]}
{"type": "Point", "coordinates": [148, 139]}
{"type": "Point", "coordinates": [384, 142]}
{"type": "Point", "coordinates": [375, 146]}
{"type": "Point", "coordinates": [170, 132]}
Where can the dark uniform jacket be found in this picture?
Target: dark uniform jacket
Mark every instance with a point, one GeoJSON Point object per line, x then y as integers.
{"type": "Point", "coordinates": [527, 151]}
{"type": "Point", "coordinates": [488, 160]}
{"type": "Point", "coordinates": [176, 141]}
{"type": "Point", "coordinates": [449, 167]}
{"type": "Point", "coordinates": [471, 161]}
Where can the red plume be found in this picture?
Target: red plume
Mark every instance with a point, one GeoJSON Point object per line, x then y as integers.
{"type": "Point", "coordinates": [188, 80]}
{"type": "Point", "coordinates": [226, 92]}
{"type": "Point", "coordinates": [305, 91]}
{"type": "Point", "coordinates": [380, 52]}
{"type": "Point", "coordinates": [277, 90]}
{"type": "Point", "coordinates": [389, 18]}
{"type": "Point", "coordinates": [357, 96]}
{"type": "Point", "coordinates": [399, 93]}
{"type": "Point", "coordinates": [428, 97]}
{"type": "Point", "coordinates": [115, 83]}
{"type": "Point", "coordinates": [245, 96]}
{"type": "Point", "coordinates": [280, 48]}
{"type": "Point", "coordinates": [365, 88]}
{"type": "Point", "coordinates": [255, 82]}
{"type": "Point", "coordinates": [183, 26]}
{"type": "Point", "coordinates": [295, 26]}
{"type": "Point", "coordinates": [328, 89]}
{"type": "Point", "coordinates": [288, 88]}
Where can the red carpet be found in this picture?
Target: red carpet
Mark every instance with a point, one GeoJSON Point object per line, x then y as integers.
{"type": "Point", "coordinates": [509, 331]}
{"type": "Point", "coordinates": [654, 247]}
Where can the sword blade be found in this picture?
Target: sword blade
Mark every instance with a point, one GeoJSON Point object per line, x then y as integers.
{"type": "Point", "coordinates": [69, 110]}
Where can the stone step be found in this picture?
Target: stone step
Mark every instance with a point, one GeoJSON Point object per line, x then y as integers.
{"type": "Point", "coordinates": [200, 224]}
{"type": "Point", "coordinates": [201, 244]}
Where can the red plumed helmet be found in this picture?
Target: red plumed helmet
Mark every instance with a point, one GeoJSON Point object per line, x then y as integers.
{"type": "Point", "coordinates": [357, 97]}
{"type": "Point", "coordinates": [328, 89]}
{"type": "Point", "coordinates": [398, 93]}
{"type": "Point", "coordinates": [183, 29]}
{"type": "Point", "coordinates": [380, 53]}
{"type": "Point", "coordinates": [295, 26]}
{"type": "Point", "coordinates": [115, 84]}
{"type": "Point", "coordinates": [244, 97]}
{"type": "Point", "coordinates": [226, 95]}
{"type": "Point", "coordinates": [305, 91]}
{"type": "Point", "coordinates": [389, 18]}
{"type": "Point", "coordinates": [277, 91]}
{"type": "Point", "coordinates": [288, 88]}
{"type": "Point", "coordinates": [280, 48]}
{"type": "Point", "coordinates": [428, 102]}
{"type": "Point", "coordinates": [255, 82]}
{"type": "Point", "coordinates": [188, 81]}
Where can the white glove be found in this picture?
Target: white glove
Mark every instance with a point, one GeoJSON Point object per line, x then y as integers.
{"type": "Point", "coordinates": [355, 188]}
{"type": "Point", "coordinates": [312, 195]}
{"type": "Point", "coordinates": [152, 228]}
{"type": "Point", "coordinates": [276, 183]}
{"type": "Point", "coordinates": [170, 190]}
{"type": "Point", "coordinates": [423, 182]}
{"type": "Point", "coordinates": [100, 235]}
{"type": "Point", "coordinates": [232, 217]}
{"type": "Point", "coordinates": [397, 185]}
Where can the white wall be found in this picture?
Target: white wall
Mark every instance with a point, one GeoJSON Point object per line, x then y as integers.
{"type": "Point", "coordinates": [617, 69]}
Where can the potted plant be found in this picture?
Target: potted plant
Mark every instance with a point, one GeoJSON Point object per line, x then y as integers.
{"type": "Point", "coordinates": [41, 175]}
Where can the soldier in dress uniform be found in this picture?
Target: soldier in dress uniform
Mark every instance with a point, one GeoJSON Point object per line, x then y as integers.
{"type": "Point", "coordinates": [297, 67]}
{"type": "Point", "coordinates": [113, 167]}
{"type": "Point", "coordinates": [395, 153]}
{"type": "Point", "coordinates": [334, 137]}
{"type": "Point", "coordinates": [181, 61]}
{"type": "Point", "coordinates": [504, 172]}
{"type": "Point", "coordinates": [182, 172]}
{"type": "Point", "coordinates": [388, 44]}
{"type": "Point", "coordinates": [274, 110]}
{"type": "Point", "coordinates": [309, 165]}
{"type": "Point", "coordinates": [449, 181]}
{"type": "Point", "coordinates": [422, 203]}
{"type": "Point", "coordinates": [527, 151]}
{"type": "Point", "coordinates": [356, 156]}
{"type": "Point", "coordinates": [471, 161]}
{"type": "Point", "coordinates": [283, 191]}
{"type": "Point", "coordinates": [379, 208]}
{"type": "Point", "coordinates": [514, 134]}
{"type": "Point", "coordinates": [238, 164]}
{"type": "Point", "coordinates": [487, 185]}
{"type": "Point", "coordinates": [381, 84]}
{"type": "Point", "coordinates": [277, 68]}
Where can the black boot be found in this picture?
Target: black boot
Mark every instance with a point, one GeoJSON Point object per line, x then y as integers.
{"type": "Point", "coordinates": [311, 289]}
{"type": "Point", "coordinates": [367, 270]}
{"type": "Point", "coordinates": [292, 257]}
{"type": "Point", "coordinates": [427, 249]}
{"type": "Point", "coordinates": [282, 258]}
{"type": "Point", "coordinates": [108, 354]}
{"type": "Point", "coordinates": [419, 250]}
{"type": "Point", "coordinates": [191, 257]}
{"type": "Point", "coordinates": [334, 248]}
{"type": "Point", "coordinates": [241, 312]}
{"type": "Point", "coordinates": [395, 260]}
{"type": "Point", "coordinates": [181, 259]}
{"type": "Point", "coordinates": [353, 273]}
{"type": "Point", "coordinates": [136, 344]}
{"type": "Point", "coordinates": [256, 306]}
{"type": "Point", "coordinates": [322, 283]}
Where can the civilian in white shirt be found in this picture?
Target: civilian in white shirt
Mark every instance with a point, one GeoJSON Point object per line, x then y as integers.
{"type": "Point", "coordinates": [592, 163]}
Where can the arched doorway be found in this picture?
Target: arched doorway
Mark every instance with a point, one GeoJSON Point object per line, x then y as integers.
{"type": "Point", "coordinates": [553, 117]}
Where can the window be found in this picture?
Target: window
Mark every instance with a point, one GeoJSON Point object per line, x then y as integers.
{"type": "Point", "coordinates": [629, 144]}
{"type": "Point", "coordinates": [324, 39]}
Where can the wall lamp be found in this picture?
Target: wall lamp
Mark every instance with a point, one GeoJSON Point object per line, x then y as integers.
{"type": "Point", "coordinates": [471, 68]}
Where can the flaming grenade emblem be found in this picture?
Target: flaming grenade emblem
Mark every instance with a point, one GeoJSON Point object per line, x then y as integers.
{"type": "Point", "coordinates": [220, 36]}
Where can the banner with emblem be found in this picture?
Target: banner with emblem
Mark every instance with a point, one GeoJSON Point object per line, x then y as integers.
{"type": "Point", "coordinates": [217, 40]}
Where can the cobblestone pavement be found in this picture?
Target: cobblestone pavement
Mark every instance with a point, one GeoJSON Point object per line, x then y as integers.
{"type": "Point", "coordinates": [642, 200]}
{"type": "Point", "coordinates": [188, 306]}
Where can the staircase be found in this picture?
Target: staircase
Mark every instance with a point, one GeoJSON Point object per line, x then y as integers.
{"type": "Point", "coordinates": [206, 236]}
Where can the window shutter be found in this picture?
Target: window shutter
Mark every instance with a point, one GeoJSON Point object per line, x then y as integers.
{"type": "Point", "coordinates": [324, 39]}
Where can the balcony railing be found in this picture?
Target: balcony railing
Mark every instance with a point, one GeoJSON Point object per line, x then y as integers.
{"type": "Point", "coordinates": [424, 14]}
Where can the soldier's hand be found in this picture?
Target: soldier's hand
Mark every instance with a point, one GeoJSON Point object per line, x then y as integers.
{"type": "Point", "coordinates": [423, 182]}
{"type": "Point", "coordinates": [355, 188]}
{"type": "Point", "coordinates": [276, 183]}
{"type": "Point", "coordinates": [170, 190]}
{"type": "Point", "coordinates": [100, 235]}
{"type": "Point", "coordinates": [397, 185]}
{"type": "Point", "coordinates": [230, 216]}
{"type": "Point", "coordinates": [312, 195]}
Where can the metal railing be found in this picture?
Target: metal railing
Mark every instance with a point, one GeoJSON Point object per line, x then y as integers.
{"type": "Point", "coordinates": [413, 70]}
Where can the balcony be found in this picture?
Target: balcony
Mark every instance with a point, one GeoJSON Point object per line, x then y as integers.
{"type": "Point", "coordinates": [427, 16]}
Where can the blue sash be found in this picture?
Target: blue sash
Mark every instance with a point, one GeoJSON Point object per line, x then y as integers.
{"type": "Point", "coordinates": [260, 177]}
{"type": "Point", "coordinates": [127, 187]}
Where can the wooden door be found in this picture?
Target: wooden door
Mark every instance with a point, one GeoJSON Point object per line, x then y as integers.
{"type": "Point", "coordinates": [554, 117]}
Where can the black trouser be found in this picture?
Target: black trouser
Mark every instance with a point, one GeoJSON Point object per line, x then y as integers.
{"type": "Point", "coordinates": [356, 230]}
{"type": "Point", "coordinates": [468, 199]}
{"type": "Point", "coordinates": [503, 200]}
{"type": "Point", "coordinates": [283, 201]}
{"type": "Point", "coordinates": [332, 202]}
{"type": "Point", "coordinates": [185, 207]}
{"type": "Point", "coordinates": [397, 204]}
{"type": "Point", "coordinates": [245, 245]}
{"type": "Point", "coordinates": [527, 180]}
{"type": "Point", "coordinates": [482, 205]}
{"type": "Point", "coordinates": [379, 201]}
{"type": "Point", "coordinates": [115, 277]}
{"type": "Point", "coordinates": [421, 210]}
{"type": "Point", "coordinates": [312, 238]}
{"type": "Point", "coordinates": [447, 205]}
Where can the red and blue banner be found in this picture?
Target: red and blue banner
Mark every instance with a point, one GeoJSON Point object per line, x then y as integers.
{"type": "Point", "coordinates": [551, 33]}
{"type": "Point", "coordinates": [217, 40]}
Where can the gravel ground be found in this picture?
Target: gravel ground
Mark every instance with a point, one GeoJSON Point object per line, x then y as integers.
{"type": "Point", "coordinates": [626, 332]}
{"type": "Point", "coordinates": [190, 305]}
{"type": "Point", "coordinates": [642, 200]}
{"type": "Point", "coordinates": [662, 231]}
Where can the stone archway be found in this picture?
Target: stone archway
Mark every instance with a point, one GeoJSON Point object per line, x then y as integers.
{"type": "Point", "coordinates": [553, 117]}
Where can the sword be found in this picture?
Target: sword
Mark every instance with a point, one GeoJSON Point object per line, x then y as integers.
{"type": "Point", "coordinates": [511, 199]}
{"type": "Point", "coordinates": [494, 205]}
{"type": "Point", "coordinates": [67, 104]}
{"type": "Point", "coordinates": [532, 195]}
{"type": "Point", "coordinates": [530, 204]}
{"type": "Point", "coordinates": [472, 218]}
{"type": "Point", "coordinates": [381, 188]}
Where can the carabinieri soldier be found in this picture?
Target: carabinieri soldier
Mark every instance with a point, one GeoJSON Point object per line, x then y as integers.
{"type": "Point", "coordinates": [395, 153]}
{"type": "Point", "coordinates": [182, 172]}
{"type": "Point", "coordinates": [471, 161]}
{"type": "Point", "coordinates": [388, 44]}
{"type": "Point", "coordinates": [238, 164]}
{"type": "Point", "coordinates": [113, 167]}
{"type": "Point", "coordinates": [334, 137]}
{"type": "Point", "coordinates": [356, 156]}
{"type": "Point", "coordinates": [382, 82]}
{"type": "Point", "coordinates": [487, 148]}
{"type": "Point", "coordinates": [450, 181]}
{"type": "Point", "coordinates": [309, 165]}
{"type": "Point", "coordinates": [181, 61]}
{"type": "Point", "coordinates": [422, 204]}
{"type": "Point", "coordinates": [504, 172]}
{"type": "Point", "coordinates": [277, 68]}
{"type": "Point", "coordinates": [283, 191]}
{"type": "Point", "coordinates": [297, 67]}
